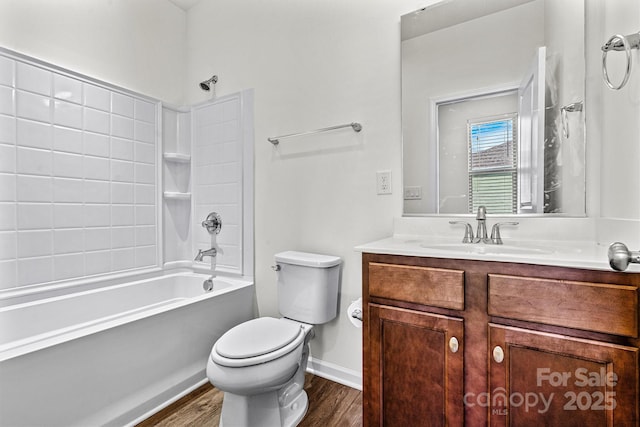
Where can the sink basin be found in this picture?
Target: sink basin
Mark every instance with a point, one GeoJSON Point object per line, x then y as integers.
{"type": "Point", "coordinates": [479, 248]}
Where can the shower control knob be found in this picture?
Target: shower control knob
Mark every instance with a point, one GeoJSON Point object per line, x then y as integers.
{"type": "Point", "coordinates": [213, 223]}
{"type": "Point", "coordinates": [620, 256]}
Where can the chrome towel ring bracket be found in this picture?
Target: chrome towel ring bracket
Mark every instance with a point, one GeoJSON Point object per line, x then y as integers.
{"type": "Point", "coordinates": [575, 107]}
{"type": "Point", "coordinates": [620, 43]}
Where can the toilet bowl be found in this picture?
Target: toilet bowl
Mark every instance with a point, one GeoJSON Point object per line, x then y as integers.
{"type": "Point", "coordinates": [260, 364]}
{"type": "Point", "coordinates": [257, 356]}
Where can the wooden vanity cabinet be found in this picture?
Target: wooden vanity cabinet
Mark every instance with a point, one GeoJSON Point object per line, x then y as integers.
{"type": "Point", "coordinates": [462, 342]}
{"type": "Point", "coordinates": [412, 356]}
{"type": "Point", "coordinates": [554, 380]}
{"type": "Point", "coordinates": [414, 368]}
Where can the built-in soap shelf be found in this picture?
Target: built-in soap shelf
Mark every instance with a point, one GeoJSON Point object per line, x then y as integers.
{"type": "Point", "coordinates": [177, 157]}
{"type": "Point", "coordinates": [178, 171]}
{"type": "Point", "coordinates": [176, 195]}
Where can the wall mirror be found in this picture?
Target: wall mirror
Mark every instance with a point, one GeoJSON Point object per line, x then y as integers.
{"type": "Point", "coordinates": [493, 107]}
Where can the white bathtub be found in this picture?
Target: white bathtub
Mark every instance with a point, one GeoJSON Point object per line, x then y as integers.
{"type": "Point", "coordinates": [112, 356]}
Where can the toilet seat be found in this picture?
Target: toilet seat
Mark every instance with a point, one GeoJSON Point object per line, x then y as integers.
{"type": "Point", "coordinates": [257, 341]}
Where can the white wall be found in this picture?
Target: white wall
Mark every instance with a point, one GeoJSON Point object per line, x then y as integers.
{"type": "Point", "coordinates": [613, 149]}
{"type": "Point", "coordinates": [313, 64]}
{"type": "Point", "coordinates": [620, 161]}
{"type": "Point", "coordinates": [138, 45]}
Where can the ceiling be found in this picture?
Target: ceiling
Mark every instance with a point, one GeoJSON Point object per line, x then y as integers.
{"type": "Point", "coordinates": [184, 4]}
{"type": "Point", "coordinates": [446, 13]}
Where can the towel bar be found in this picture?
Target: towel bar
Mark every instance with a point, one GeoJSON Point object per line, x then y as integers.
{"type": "Point", "coordinates": [357, 127]}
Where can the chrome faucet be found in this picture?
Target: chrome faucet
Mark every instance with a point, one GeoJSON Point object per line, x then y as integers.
{"type": "Point", "coordinates": [481, 232]}
{"type": "Point", "coordinates": [209, 252]}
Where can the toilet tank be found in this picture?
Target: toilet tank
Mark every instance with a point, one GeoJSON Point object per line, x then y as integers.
{"type": "Point", "coordinates": [308, 286]}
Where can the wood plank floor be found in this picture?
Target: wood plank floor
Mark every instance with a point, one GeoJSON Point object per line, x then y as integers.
{"type": "Point", "coordinates": [330, 404]}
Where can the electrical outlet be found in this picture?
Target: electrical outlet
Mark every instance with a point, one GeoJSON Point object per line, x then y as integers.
{"type": "Point", "coordinates": [413, 193]}
{"type": "Point", "coordinates": [383, 181]}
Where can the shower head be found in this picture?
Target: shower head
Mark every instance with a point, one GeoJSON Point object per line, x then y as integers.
{"type": "Point", "coordinates": [206, 85]}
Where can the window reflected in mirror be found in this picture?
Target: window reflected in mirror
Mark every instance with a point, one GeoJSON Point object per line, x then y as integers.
{"type": "Point", "coordinates": [493, 164]}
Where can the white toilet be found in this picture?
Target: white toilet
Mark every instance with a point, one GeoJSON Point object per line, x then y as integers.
{"type": "Point", "coordinates": [260, 364]}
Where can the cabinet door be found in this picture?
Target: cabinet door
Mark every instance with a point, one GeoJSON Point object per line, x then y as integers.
{"type": "Point", "coordinates": [553, 380]}
{"type": "Point", "coordinates": [414, 369]}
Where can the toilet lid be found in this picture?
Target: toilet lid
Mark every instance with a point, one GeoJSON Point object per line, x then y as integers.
{"type": "Point", "coordinates": [256, 337]}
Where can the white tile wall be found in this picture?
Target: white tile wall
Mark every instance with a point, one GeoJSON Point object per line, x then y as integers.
{"type": "Point", "coordinates": [217, 163]}
{"type": "Point", "coordinates": [77, 177]}
{"type": "Point", "coordinates": [6, 72]}
{"type": "Point", "coordinates": [67, 88]}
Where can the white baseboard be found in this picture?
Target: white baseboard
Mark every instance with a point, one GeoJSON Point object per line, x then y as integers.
{"type": "Point", "coordinates": [336, 373]}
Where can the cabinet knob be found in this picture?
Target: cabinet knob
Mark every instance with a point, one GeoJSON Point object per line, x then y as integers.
{"type": "Point", "coordinates": [498, 354]}
{"type": "Point", "coordinates": [454, 345]}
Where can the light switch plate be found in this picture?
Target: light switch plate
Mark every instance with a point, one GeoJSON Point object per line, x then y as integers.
{"type": "Point", "coordinates": [413, 193]}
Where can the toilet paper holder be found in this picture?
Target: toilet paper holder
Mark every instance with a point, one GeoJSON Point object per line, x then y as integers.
{"type": "Point", "coordinates": [354, 311]}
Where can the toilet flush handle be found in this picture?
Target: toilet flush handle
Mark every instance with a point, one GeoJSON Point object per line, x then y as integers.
{"type": "Point", "coordinates": [276, 267]}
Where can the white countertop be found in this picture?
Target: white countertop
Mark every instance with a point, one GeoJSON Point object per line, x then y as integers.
{"type": "Point", "coordinates": [565, 253]}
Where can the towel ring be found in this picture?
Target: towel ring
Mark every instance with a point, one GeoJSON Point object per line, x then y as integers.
{"type": "Point", "coordinates": [614, 44]}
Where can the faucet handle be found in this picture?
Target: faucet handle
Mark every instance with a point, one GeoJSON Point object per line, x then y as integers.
{"type": "Point", "coordinates": [468, 231]}
{"type": "Point", "coordinates": [496, 239]}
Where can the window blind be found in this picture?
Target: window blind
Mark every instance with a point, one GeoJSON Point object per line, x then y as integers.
{"type": "Point", "coordinates": [493, 164]}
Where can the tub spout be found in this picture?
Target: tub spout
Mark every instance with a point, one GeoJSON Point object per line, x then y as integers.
{"type": "Point", "coordinates": [209, 252]}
